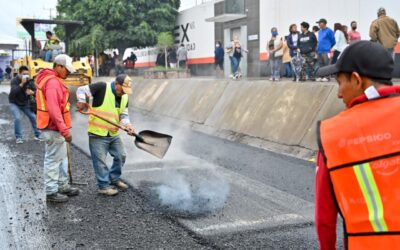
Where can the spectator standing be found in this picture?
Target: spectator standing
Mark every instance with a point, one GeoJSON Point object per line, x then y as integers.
{"type": "Point", "coordinates": [8, 72]}
{"type": "Point", "coordinates": [219, 56]}
{"type": "Point", "coordinates": [1, 74]}
{"type": "Point", "coordinates": [354, 35]}
{"type": "Point", "coordinates": [385, 30]}
{"type": "Point", "coordinates": [326, 41]}
{"type": "Point", "coordinates": [182, 56]}
{"type": "Point", "coordinates": [286, 59]}
{"type": "Point", "coordinates": [229, 52]}
{"type": "Point", "coordinates": [20, 91]}
{"type": "Point", "coordinates": [293, 41]}
{"type": "Point", "coordinates": [341, 42]}
{"type": "Point", "coordinates": [275, 48]}
{"type": "Point", "coordinates": [237, 57]}
{"type": "Point", "coordinates": [172, 58]}
{"type": "Point", "coordinates": [307, 47]}
{"type": "Point", "coordinates": [117, 64]}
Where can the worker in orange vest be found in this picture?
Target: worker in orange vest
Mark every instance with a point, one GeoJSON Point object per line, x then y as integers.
{"type": "Point", "coordinates": [54, 119]}
{"type": "Point", "coordinates": [358, 164]}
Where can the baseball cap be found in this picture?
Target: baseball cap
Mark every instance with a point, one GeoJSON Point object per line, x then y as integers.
{"type": "Point", "coordinates": [322, 20]}
{"type": "Point", "coordinates": [66, 61]}
{"type": "Point", "coordinates": [367, 58]}
{"type": "Point", "coordinates": [126, 83]}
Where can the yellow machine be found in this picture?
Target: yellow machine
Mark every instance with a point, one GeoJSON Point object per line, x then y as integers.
{"type": "Point", "coordinates": [83, 74]}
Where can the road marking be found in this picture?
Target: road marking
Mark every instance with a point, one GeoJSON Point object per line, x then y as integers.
{"type": "Point", "coordinates": [277, 219]}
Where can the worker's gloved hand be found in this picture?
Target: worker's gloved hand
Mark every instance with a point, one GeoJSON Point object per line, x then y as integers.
{"type": "Point", "coordinates": [80, 106]}
{"type": "Point", "coordinates": [68, 137]}
{"type": "Point", "coordinates": [130, 129]}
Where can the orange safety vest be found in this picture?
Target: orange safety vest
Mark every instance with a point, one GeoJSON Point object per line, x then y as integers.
{"type": "Point", "coordinates": [361, 147]}
{"type": "Point", "coordinates": [42, 115]}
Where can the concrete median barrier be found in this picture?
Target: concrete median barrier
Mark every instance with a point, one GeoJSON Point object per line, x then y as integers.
{"type": "Point", "coordinates": [283, 113]}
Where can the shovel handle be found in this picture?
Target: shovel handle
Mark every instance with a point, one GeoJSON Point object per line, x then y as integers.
{"type": "Point", "coordinates": [91, 111]}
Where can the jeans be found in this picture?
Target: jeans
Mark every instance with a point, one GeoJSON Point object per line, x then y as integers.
{"type": "Point", "coordinates": [232, 66]}
{"type": "Point", "coordinates": [336, 55]}
{"type": "Point", "coordinates": [323, 59]}
{"type": "Point", "coordinates": [275, 64]}
{"type": "Point", "coordinates": [55, 162]}
{"type": "Point", "coordinates": [48, 55]}
{"type": "Point", "coordinates": [16, 112]}
{"type": "Point", "coordinates": [99, 147]}
{"type": "Point", "coordinates": [235, 64]}
{"type": "Point", "coordinates": [288, 69]}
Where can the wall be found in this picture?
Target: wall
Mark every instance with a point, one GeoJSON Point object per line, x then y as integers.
{"type": "Point", "coordinates": [281, 113]}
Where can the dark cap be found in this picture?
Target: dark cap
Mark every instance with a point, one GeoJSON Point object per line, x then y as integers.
{"type": "Point", "coordinates": [367, 58]}
{"type": "Point", "coordinates": [322, 20]}
{"type": "Point", "coordinates": [305, 25]}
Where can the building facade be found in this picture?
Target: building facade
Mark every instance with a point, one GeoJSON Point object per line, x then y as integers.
{"type": "Point", "coordinates": [200, 27]}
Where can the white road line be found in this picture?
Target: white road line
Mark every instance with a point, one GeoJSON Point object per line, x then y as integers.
{"type": "Point", "coordinates": [164, 169]}
{"type": "Point", "coordinates": [277, 219]}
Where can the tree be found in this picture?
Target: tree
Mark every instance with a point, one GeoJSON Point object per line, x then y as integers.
{"type": "Point", "coordinates": [165, 41]}
{"type": "Point", "coordinates": [118, 23]}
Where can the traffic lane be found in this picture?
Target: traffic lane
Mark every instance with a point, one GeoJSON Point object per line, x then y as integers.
{"type": "Point", "coordinates": [283, 172]}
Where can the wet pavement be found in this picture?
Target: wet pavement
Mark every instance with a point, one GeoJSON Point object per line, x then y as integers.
{"type": "Point", "coordinates": [208, 193]}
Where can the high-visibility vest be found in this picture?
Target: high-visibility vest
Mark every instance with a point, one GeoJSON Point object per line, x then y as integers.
{"type": "Point", "coordinates": [361, 147]}
{"type": "Point", "coordinates": [107, 110]}
{"type": "Point", "coordinates": [42, 112]}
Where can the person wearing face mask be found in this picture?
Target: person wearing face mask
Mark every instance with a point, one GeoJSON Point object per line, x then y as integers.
{"type": "Point", "coordinates": [20, 91]}
{"type": "Point", "coordinates": [111, 101]}
{"type": "Point", "coordinates": [354, 35]}
{"type": "Point", "coordinates": [275, 48]}
{"type": "Point", "coordinates": [219, 56]}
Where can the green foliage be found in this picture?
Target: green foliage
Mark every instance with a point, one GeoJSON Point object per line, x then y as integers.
{"type": "Point", "coordinates": [165, 40]}
{"type": "Point", "coordinates": [118, 23]}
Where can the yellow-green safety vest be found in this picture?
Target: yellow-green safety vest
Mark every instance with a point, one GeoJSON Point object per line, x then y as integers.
{"type": "Point", "coordinates": [107, 110]}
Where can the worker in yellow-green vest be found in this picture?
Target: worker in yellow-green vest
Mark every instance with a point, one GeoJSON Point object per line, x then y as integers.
{"type": "Point", "coordinates": [110, 100]}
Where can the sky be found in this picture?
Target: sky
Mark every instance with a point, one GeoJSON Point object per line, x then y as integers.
{"type": "Point", "coordinates": [11, 9]}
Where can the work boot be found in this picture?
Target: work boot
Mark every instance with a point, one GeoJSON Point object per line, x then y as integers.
{"type": "Point", "coordinates": [71, 191]}
{"type": "Point", "coordinates": [19, 141]}
{"type": "Point", "coordinates": [107, 191]}
{"type": "Point", "coordinates": [121, 185]}
{"type": "Point", "coordinates": [56, 197]}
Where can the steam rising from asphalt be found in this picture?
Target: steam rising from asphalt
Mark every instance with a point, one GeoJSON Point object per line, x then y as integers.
{"type": "Point", "coordinates": [180, 193]}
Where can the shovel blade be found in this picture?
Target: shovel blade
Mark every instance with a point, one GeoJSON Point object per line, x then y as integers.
{"type": "Point", "coordinates": [154, 143]}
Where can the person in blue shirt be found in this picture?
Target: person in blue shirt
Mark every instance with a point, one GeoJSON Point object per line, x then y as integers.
{"type": "Point", "coordinates": [326, 41]}
{"type": "Point", "coordinates": [219, 56]}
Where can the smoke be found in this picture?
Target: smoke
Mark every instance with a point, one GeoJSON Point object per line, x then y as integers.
{"type": "Point", "coordinates": [192, 195]}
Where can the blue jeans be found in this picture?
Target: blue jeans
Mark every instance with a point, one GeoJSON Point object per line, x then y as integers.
{"type": "Point", "coordinates": [235, 64]}
{"type": "Point", "coordinates": [55, 162]}
{"type": "Point", "coordinates": [16, 112]}
{"type": "Point", "coordinates": [288, 69]}
{"type": "Point", "coordinates": [275, 64]}
{"type": "Point", "coordinates": [99, 147]}
{"type": "Point", "coordinates": [48, 55]}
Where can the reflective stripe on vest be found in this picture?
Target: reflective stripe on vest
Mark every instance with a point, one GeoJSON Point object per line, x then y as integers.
{"type": "Point", "coordinates": [108, 110]}
{"type": "Point", "coordinates": [371, 195]}
{"type": "Point", "coordinates": [361, 147]}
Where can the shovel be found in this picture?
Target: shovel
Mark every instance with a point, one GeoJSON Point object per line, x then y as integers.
{"type": "Point", "coordinates": [71, 182]}
{"type": "Point", "coordinates": [152, 142]}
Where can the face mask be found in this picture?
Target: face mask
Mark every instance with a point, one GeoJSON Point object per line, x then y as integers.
{"type": "Point", "coordinates": [354, 27]}
{"type": "Point", "coordinates": [217, 45]}
{"type": "Point", "coordinates": [25, 76]}
{"type": "Point", "coordinates": [274, 33]}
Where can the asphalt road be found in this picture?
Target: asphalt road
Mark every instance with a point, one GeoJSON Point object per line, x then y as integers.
{"type": "Point", "coordinates": [206, 193]}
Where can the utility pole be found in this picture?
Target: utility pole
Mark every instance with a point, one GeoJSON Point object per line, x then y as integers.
{"type": "Point", "coordinates": [50, 12]}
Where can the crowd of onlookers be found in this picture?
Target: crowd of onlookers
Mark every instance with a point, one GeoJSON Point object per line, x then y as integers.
{"type": "Point", "coordinates": [302, 52]}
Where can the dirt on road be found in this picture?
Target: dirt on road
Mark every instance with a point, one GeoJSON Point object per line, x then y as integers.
{"type": "Point", "coordinates": [88, 221]}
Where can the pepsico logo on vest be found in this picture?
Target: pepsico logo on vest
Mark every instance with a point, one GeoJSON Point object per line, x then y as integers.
{"type": "Point", "coordinates": [365, 139]}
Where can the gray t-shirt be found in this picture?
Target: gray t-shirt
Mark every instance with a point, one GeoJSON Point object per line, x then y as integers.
{"type": "Point", "coordinates": [182, 54]}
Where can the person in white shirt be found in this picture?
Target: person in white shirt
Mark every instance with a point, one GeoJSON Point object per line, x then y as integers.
{"type": "Point", "coordinates": [341, 38]}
